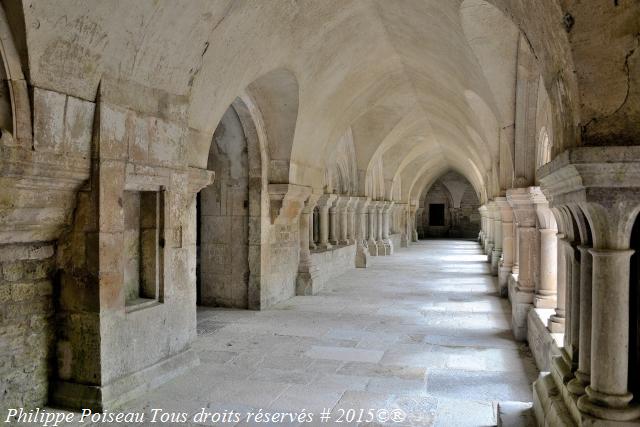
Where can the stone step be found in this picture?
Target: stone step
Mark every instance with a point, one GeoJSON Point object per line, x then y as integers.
{"type": "Point", "coordinates": [515, 414]}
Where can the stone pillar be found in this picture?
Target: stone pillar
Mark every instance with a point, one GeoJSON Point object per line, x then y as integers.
{"type": "Point", "coordinates": [362, 249]}
{"type": "Point", "coordinates": [482, 236]}
{"type": "Point", "coordinates": [574, 307]}
{"type": "Point", "coordinates": [386, 220]}
{"type": "Point", "coordinates": [608, 396]}
{"type": "Point", "coordinates": [488, 247]}
{"type": "Point", "coordinates": [312, 226]}
{"type": "Point", "coordinates": [373, 218]}
{"type": "Point", "coordinates": [343, 207]}
{"type": "Point", "coordinates": [334, 224]}
{"type": "Point", "coordinates": [404, 235]}
{"type": "Point", "coordinates": [557, 321]}
{"type": "Point", "coordinates": [497, 238]}
{"type": "Point", "coordinates": [418, 224]}
{"type": "Point", "coordinates": [324, 204]}
{"type": "Point", "coordinates": [521, 290]}
{"type": "Point", "coordinates": [547, 284]}
{"type": "Point", "coordinates": [307, 272]}
{"type": "Point", "coordinates": [504, 269]}
{"type": "Point", "coordinates": [583, 374]}
{"type": "Point", "coordinates": [382, 250]}
{"type": "Point", "coordinates": [351, 221]}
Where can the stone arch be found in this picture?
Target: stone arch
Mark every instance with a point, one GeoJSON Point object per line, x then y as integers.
{"type": "Point", "coordinates": [229, 268]}
{"type": "Point", "coordinates": [15, 107]}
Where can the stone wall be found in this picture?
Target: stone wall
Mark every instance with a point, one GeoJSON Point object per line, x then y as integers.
{"type": "Point", "coordinates": [333, 263]}
{"type": "Point", "coordinates": [26, 324]}
{"type": "Point", "coordinates": [280, 264]}
{"type": "Point", "coordinates": [544, 345]}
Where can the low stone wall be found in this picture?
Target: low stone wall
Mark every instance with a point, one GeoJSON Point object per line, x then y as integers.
{"type": "Point", "coordinates": [26, 329]}
{"type": "Point", "coordinates": [332, 263]}
{"type": "Point", "coordinates": [544, 345]}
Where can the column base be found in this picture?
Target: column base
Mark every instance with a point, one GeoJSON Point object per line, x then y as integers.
{"type": "Point", "coordinates": [325, 246]}
{"type": "Point", "coordinates": [577, 387]}
{"type": "Point", "coordinates": [306, 282]}
{"type": "Point", "coordinates": [556, 324]}
{"type": "Point", "coordinates": [382, 248]}
{"type": "Point", "coordinates": [72, 395]}
{"type": "Point", "coordinates": [545, 301]}
{"type": "Point", "coordinates": [612, 415]}
{"type": "Point", "coordinates": [404, 242]}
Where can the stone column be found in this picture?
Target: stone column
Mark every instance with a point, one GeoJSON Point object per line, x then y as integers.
{"type": "Point", "coordinates": [497, 239]}
{"type": "Point", "coordinates": [504, 269]}
{"type": "Point", "coordinates": [351, 221]}
{"type": "Point", "coordinates": [418, 224]}
{"type": "Point", "coordinates": [488, 246]}
{"type": "Point", "coordinates": [413, 214]}
{"type": "Point", "coordinates": [343, 206]}
{"type": "Point", "coordinates": [608, 396]}
{"type": "Point", "coordinates": [583, 374]}
{"type": "Point", "coordinates": [574, 308]}
{"type": "Point", "coordinates": [373, 218]}
{"type": "Point", "coordinates": [334, 224]}
{"type": "Point", "coordinates": [483, 212]}
{"type": "Point", "coordinates": [402, 225]}
{"type": "Point", "coordinates": [557, 321]}
{"type": "Point", "coordinates": [521, 290]}
{"type": "Point", "coordinates": [382, 250]}
{"type": "Point", "coordinates": [362, 250]}
{"type": "Point", "coordinates": [312, 243]}
{"type": "Point", "coordinates": [547, 284]}
{"type": "Point", "coordinates": [324, 204]}
{"type": "Point", "coordinates": [307, 271]}
{"type": "Point", "coordinates": [386, 220]}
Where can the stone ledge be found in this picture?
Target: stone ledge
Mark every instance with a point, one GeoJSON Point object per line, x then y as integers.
{"type": "Point", "coordinates": [544, 345]}
{"type": "Point", "coordinates": [110, 396]}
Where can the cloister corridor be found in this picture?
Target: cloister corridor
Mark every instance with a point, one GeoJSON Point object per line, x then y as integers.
{"type": "Point", "coordinates": [423, 331]}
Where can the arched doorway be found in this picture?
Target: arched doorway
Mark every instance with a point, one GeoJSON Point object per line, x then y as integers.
{"type": "Point", "coordinates": [228, 215]}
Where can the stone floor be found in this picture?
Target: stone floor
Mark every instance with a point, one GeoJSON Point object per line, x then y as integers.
{"type": "Point", "coordinates": [422, 331]}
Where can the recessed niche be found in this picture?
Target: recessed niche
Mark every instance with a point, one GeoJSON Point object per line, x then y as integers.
{"type": "Point", "coordinates": [143, 229]}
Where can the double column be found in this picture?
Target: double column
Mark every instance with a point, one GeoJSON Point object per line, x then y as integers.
{"type": "Point", "coordinates": [496, 252]}
{"type": "Point", "coordinates": [307, 272]}
{"type": "Point", "coordinates": [325, 203]}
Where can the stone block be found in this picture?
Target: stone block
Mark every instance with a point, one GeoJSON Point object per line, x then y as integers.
{"type": "Point", "coordinates": [112, 142]}
{"type": "Point", "coordinates": [78, 126]}
{"type": "Point", "coordinates": [48, 120]}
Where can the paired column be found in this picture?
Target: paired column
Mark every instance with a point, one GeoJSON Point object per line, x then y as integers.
{"type": "Point", "coordinates": [386, 221]}
{"type": "Point", "coordinates": [324, 204]}
{"type": "Point", "coordinates": [306, 270]}
{"type": "Point", "coordinates": [334, 223]}
{"type": "Point", "coordinates": [379, 226]}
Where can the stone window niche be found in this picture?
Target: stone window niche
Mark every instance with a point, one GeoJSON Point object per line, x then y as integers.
{"type": "Point", "coordinates": [143, 241]}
